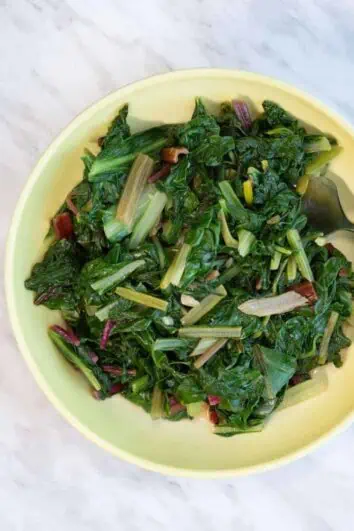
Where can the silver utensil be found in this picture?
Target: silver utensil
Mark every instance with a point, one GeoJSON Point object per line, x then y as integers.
{"type": "Point", "coordinates": [323, 207]}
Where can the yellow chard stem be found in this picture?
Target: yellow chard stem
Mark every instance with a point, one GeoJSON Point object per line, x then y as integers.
{"type": "Point", "coordinates": [174, 273]}
{"type": "Point", "coordinates": [207, 304]}
{"type": "Point", "coordinates": [142, 298]}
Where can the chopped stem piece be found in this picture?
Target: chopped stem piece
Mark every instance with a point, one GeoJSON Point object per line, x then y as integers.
{"type": "Point", "coordinates": [225, 231]}
{"type": "Point", "coordinates": [243, 113]}
{"type": "Point", "coordinates": [291, 268]}
{"type": "Point", "coordinates": [273, 305]}
{"type": "Point", "coordinates": [210, 331]}
{"type": "Point", "coordinates": [205, 305]}
{"type": "Point", "coordinates": [174, 273]}
{"type": "Point", "coordinates": [283, 250]}
{"type": "Point", "coordinates": [160, 174]}
{"type": "Point", "coordinates": [148, 220]}
{"type": "Point", "coordinates": [322, 159]}
{"type": "Point", "coordinates": [278, 277]}
{"type": "Point", "coordinates": [188, 300]}
{"type": "Point", "coordinates": [209, 353]}
{"type": "Point", "coordinates": [232, 430]}
{"type": "Point", "coordinates": [248, 192]}
{"type": "Point", "coordinates": [118, 371]}
{"type": "Point", "coordinates": [281, 131]}
{"type": "Point", "coordinates": [103, 313]}
{"type": "Point", "coordinates": [142, 298]}
{"type": "Point", "coordinates": [229, 274]}
{"type": "Point", "coordinates": [302, 184]}
{"type": "Point", "coordinates": [103, 284]}
{"type": "Point", "coordinates": [160, 251]}
{"type": "Point", "coordinates": [138, 175]}
{"type": "Point", "coordinates": [171, 344]}
{"type": "Point", "coordinates": [246, 240]}
{"type": "Point", "coordinates": [234, 205]}
{"type": "Point", "coordinates": [71, 205]}
{"type": "Point", "coordinates": [202, 346]}
{"type": "Point", "coordinates": [303, 264]}
{"type": "Point", "coordinates": [275, 262]}
{"type": "Point", "coordinates": [156, 403]}
{"type": "Point", "coordinates": [113, 228]}
{"type": "Point", "coordinates": [320, 143]}
{"type": "Point", "coordinates": [110, 324]}
{"type": "Point", "coordinates": [323, 354]}
{"type": "Point", "coordinates": [68, 335]}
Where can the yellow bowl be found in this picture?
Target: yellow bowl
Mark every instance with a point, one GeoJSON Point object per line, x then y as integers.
{"type": "Point", "coordinates": [184, 448]}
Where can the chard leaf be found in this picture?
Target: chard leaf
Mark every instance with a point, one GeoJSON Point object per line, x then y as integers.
{"type": "Point", "coordinates": [118, 131]}
{"type": "Point", "coordinates": [116, 158]}
{"type": "Point", "coordinates": [276, 115]}
{"type": "Point", "coordinates": [189, 391]}
{"type": "Point", "coordinates": [279, 368]}
{"type": "Point", "coordinates": [201, 125]}
{"type": "Point", "coordinates": [213, 149]}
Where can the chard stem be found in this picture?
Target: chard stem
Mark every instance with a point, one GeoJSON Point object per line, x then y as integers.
{"type": "Point", "coordinates": [205, 305]}
{"type": "Point", "coordinates": [156, 403]}
{"type": "Point", "coordinates": [303, 264]}
{"type": "Point", "coordinates": [148, 220]}
{"type": "Point", "coordinates": [209, 353]}
{"type": "Point", "coordinates": [210, 331]}
{"type": "Point", "coordinates": [275, 262]}
{"type": "Point", "coordinates": [323, 354]}
{"type": "Point", "coordinates": [142, 298]}
{"type": "Point", "coordinates": [137, 178]}
{"type": "Point", "coordinates": [323, 158]}
{"type": "Point", "coordinates": [105, 283]}
{"type": "Point", "coordinates": [225, 231]}
{"type": "Point", "coordinates": [246, 240]}
{"type": "Point", "coordinates": [175, 272]}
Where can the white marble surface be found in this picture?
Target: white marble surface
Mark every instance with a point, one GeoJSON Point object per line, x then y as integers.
{"type": "Point", "coordinates": [57, 57]}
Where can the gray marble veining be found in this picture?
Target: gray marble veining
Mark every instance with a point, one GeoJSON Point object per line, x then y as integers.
{"type": "Point", "coordinates": [57, 57]}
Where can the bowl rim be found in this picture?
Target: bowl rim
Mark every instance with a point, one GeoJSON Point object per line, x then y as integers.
{"type": "Point", "coordinates": [9, 280]}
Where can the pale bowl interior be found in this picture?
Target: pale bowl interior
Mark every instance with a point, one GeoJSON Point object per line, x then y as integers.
{"type": "Point", "coordinates": [187, 448]}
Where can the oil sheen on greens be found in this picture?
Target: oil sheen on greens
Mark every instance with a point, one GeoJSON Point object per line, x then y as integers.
{"type": "Point", "coordinates": [149, 288]}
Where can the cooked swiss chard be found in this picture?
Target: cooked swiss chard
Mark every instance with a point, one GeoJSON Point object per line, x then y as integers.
{"type": "Point", "coordinates": [187, 274]}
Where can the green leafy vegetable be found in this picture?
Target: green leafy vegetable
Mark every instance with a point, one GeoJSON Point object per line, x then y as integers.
{"type": "Point", "coordinates": [118, 131]}
{"type": "Point", "coordinates": [117, 157]}
{"type": "Point", "coordinates": [207, 290]}
{"type": "Point", "coordinates": [213, 149]}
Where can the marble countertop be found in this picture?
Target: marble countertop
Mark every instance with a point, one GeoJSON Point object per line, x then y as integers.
{"type": "Point", "coordinates": [57, 57]}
